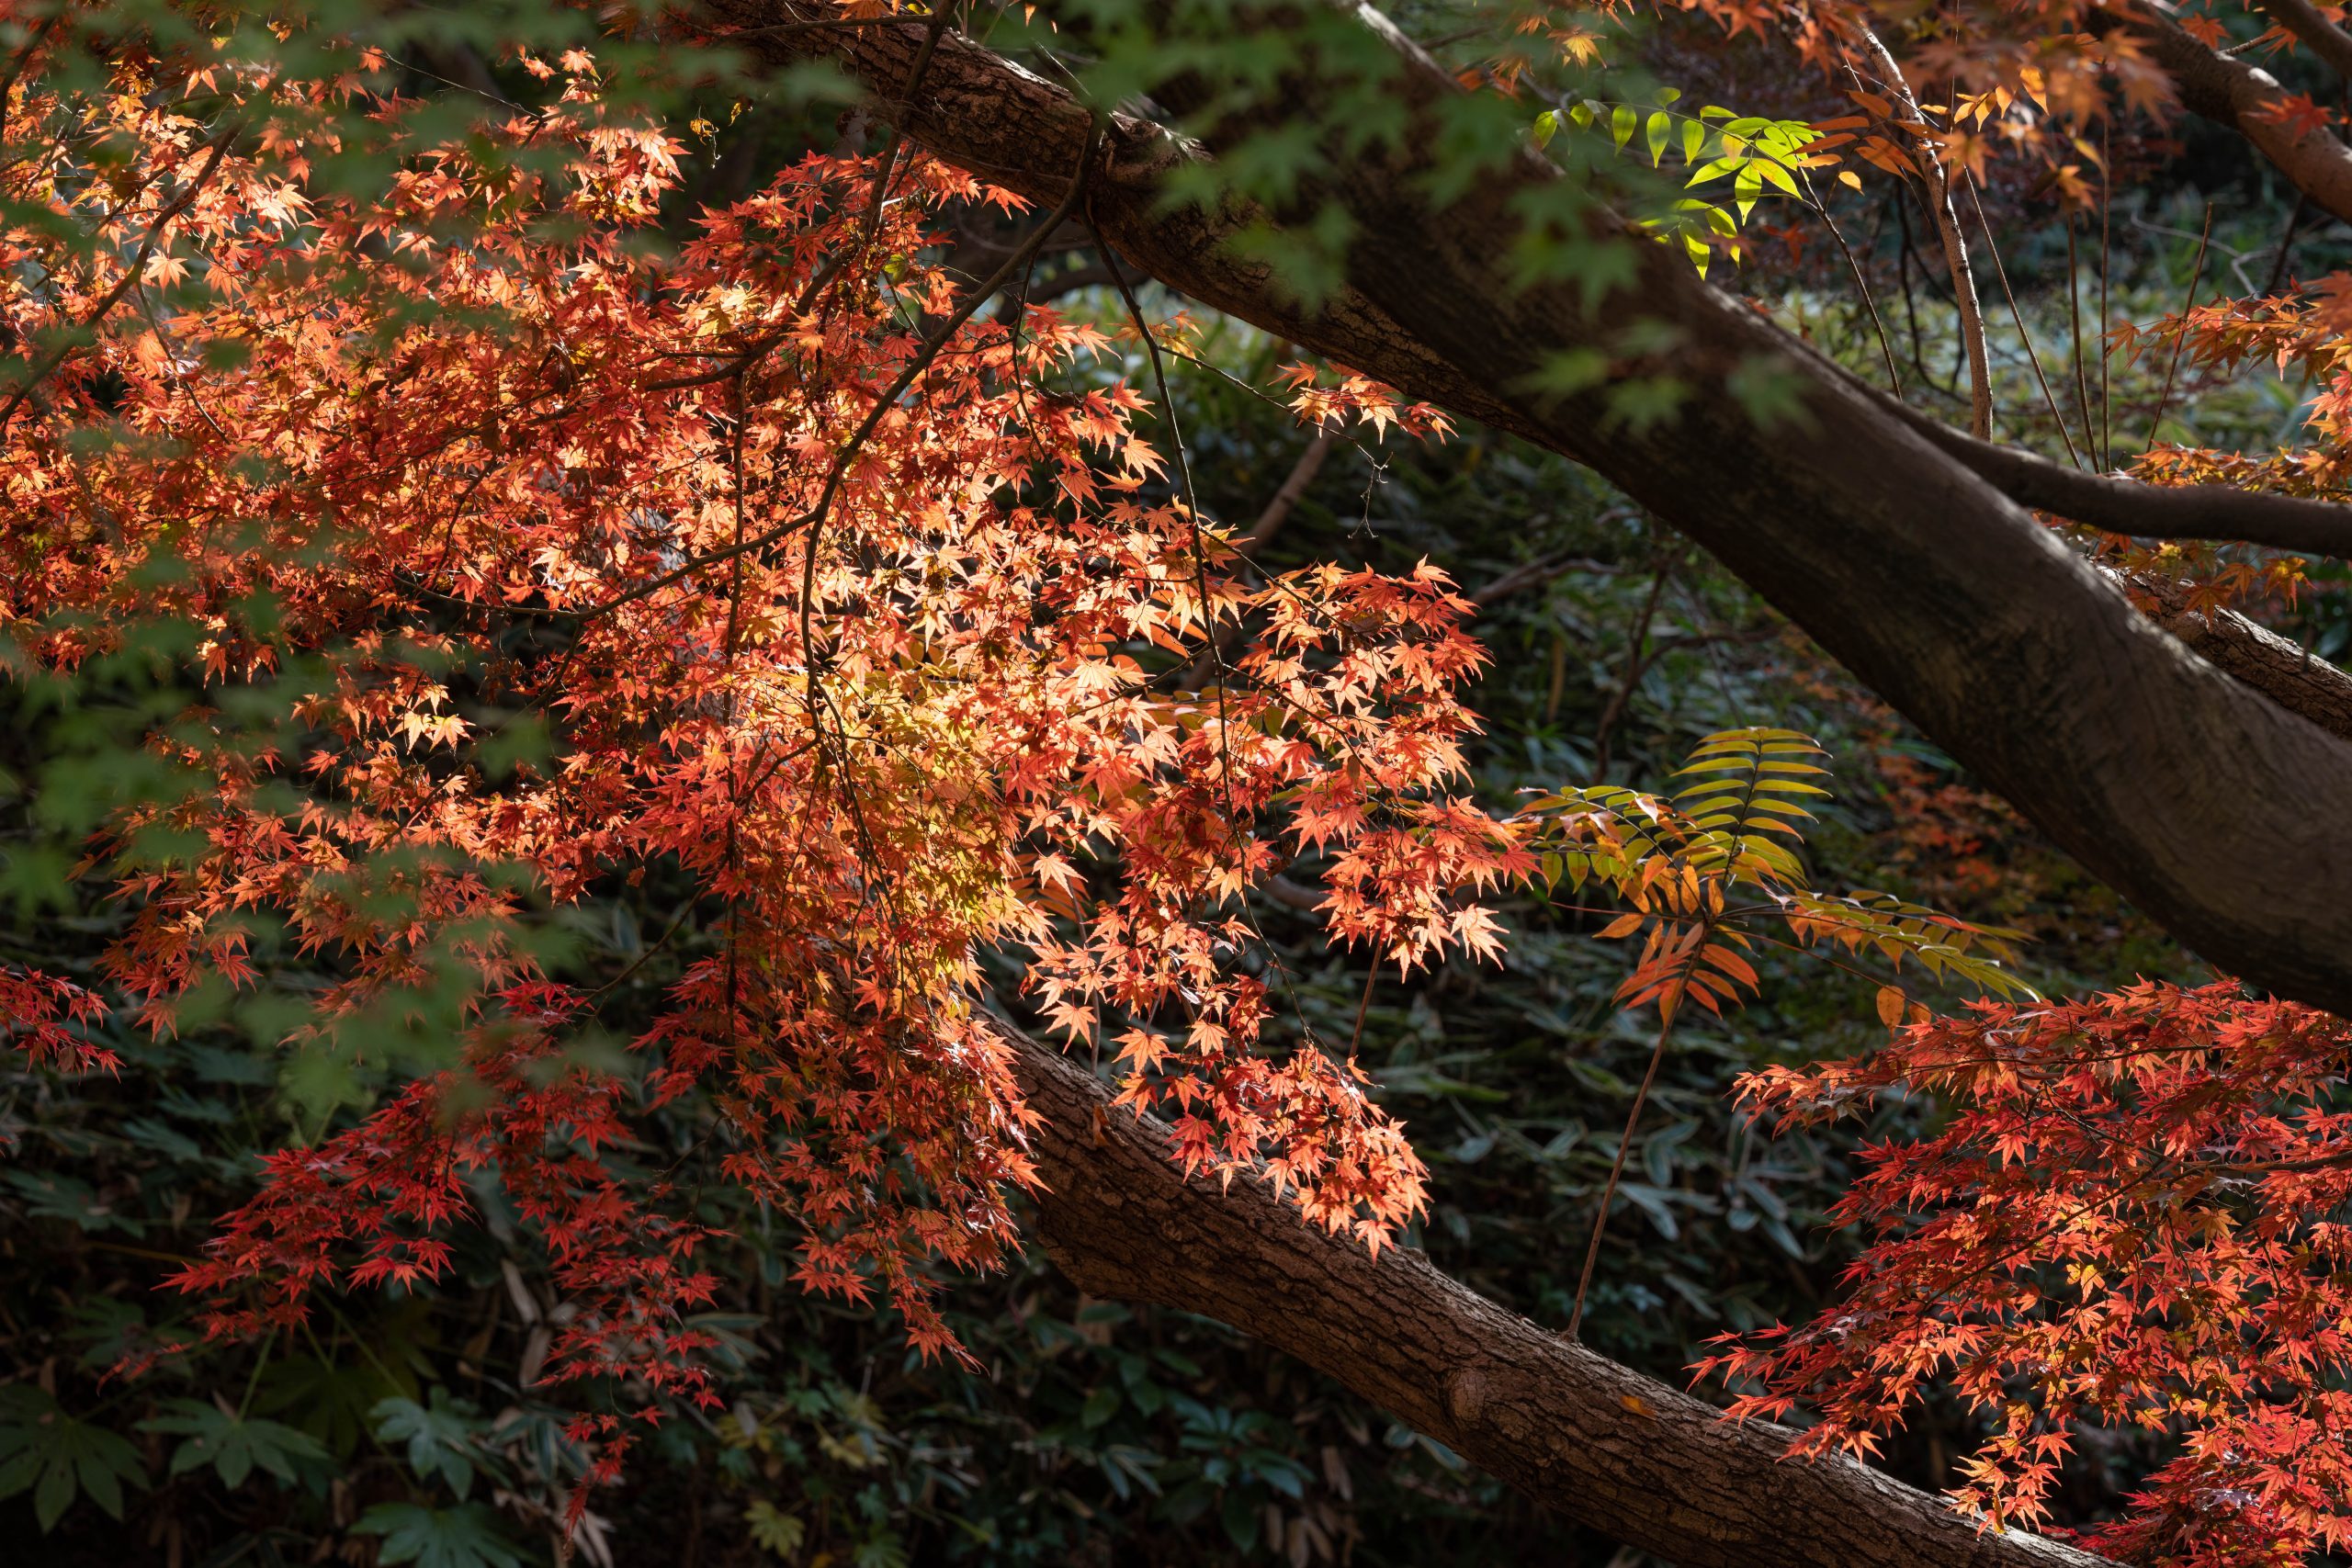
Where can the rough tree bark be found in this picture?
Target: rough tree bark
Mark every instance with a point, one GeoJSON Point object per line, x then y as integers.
{"type": "Point", "coordinates": [2322, 37]}
{"type": "Point", "coordinates": [2247, 99]}
{"type": "Point", "coordinates": [1641, 1463]}
{"type": "Point", "coordinates": [2161, 774]}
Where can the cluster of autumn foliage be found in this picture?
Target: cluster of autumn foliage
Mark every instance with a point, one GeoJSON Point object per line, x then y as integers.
{"type": "Point", "coordinates": [792, 572]}
{"type": "Point", "coordinates": [854, 660]}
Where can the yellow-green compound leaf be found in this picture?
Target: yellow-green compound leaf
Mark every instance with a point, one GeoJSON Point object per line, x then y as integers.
{"type": "Point", "coordinates": [1747, 186]}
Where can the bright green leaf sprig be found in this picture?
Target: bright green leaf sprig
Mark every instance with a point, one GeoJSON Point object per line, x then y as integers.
{"type": "Point", "coordinates": [1756, 152]}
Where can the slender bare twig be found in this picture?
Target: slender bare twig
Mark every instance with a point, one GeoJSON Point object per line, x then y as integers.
{"type": "Point", "coordinates": [2033, 356]}
{"type": "Point", "coordinates": [1636, 663]}
{"type": "Point", "coordinates": [1617, 1170]}
{"type": "Point", "coordinates": [1964, 280]}
{"type": "Point", "coordinates": [1862, 284]}
{"type": "Point", "coordinates": [2286, 243]}
{"type": "Point", "coordinates": [2196, 275]}
{"type": "Point", "coordinates": [2075, 343]}
{"type": "Point", "coordinates": [2106, 231]}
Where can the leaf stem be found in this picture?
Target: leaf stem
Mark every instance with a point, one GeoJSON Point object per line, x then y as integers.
{"type": "Point", "coordinates": [1617, 1166]}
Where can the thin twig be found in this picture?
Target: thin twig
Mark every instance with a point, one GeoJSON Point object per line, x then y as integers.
{"type": "Point", "coordinates": [2286, 244]}
{"type": "Point", "coordinates": [2196, 275]}
{"type": "Point", "coordinates": [2105, 227]}
{"type": "Point", "coordinates": [1862, 284]}
{"type": "Point", "coordinates": [2075, 343]}
{"type": "Point", "coordinates": [882, 406]}
{"type": "Point", "coordinates": [1216, 650]}
{"type": "Point", "coordinates": [2033, 356]}
{"type": "Point", "coordinates": [1636, 663]}
{"type": "Point", "coordinates": [1616, 1170]}
{"type": "Point", "coordinates": [1964, 281]}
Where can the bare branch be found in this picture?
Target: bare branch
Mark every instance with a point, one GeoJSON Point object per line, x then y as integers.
{"type": "Point", "coordinates": [1535, 573]}
{"type": "Point", "coordinates": [2219, 513]}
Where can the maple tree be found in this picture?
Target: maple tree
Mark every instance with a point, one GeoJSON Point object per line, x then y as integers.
{"type": "Point", "coordinates": [856, 664]}
{"type": "Point", "coordinates": [510, 555]}
{"type": "Point", "coordinates": [2125, 1221]}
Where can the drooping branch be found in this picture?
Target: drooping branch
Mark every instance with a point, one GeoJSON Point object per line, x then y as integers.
{"type": "Point", "coordinates": [1581, 1435]}
{"type": "Point", "coordinates": [2163, 775]}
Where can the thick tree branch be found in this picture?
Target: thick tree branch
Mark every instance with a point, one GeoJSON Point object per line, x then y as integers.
{"type": "Point", "coordinates": [2282, 670]}
{"type": "Point", "coordinates": [1582, 1435]}
{"type": "Point", "coordinates": [2249, 101]}
{"type": "Point", "coordinates": [2144, 510]}
{"type": "Point", "coordinates": [2315, 32]}
{"type": "Point", "coordinates": [2166, 778]}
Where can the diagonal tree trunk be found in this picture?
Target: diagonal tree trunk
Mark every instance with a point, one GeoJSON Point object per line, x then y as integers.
{"type": "Point", "coordinates": [1584, 1436]}
{"type": "Point", "coordinates": [2183, 788]}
